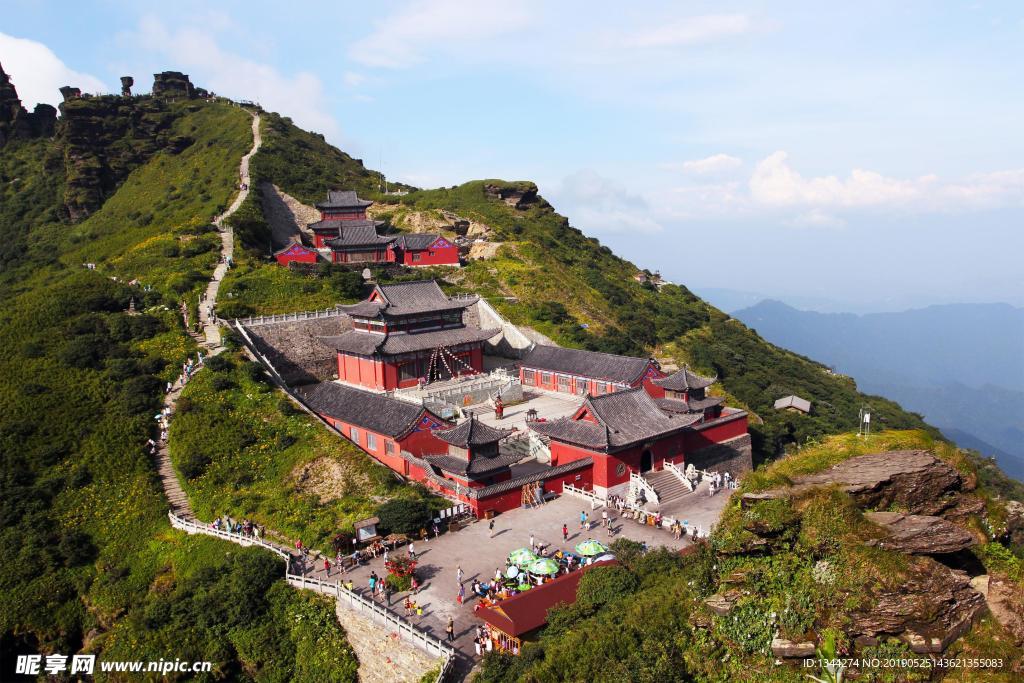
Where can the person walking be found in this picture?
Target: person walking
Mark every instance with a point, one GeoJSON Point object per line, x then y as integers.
{"type": "Point", "coordinates": [476, 645]}
{"type": "Point", "coordinates": [327, 566]}
{"type": "Point", "coordinates": [459, 574]}
{"type": "Point", "coordinates": [450, 630]}
{"type": "Point", "coordinates": [373, 581]}
{"type": "Point", "coordinates": [565, 533]}
{"type": "Point", "coordinates": [490, 527]}
{"type": "Point", "coordinates": [583, 519]}
{"type": "Point", "coordinates": [412, 551]}
{"type": "Point", "coordinates": [462, 594]}
{"type": "Point", "coordinates": [414, 585]}
{"type": "Point", "coordinates": [533, 543]}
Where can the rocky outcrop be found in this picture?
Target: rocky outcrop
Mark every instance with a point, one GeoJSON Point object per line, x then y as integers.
{"type": "Point", "coordinates": [126, 86]}
{"type": "Point", "coordinates": [915, 481]}
{"type": "Point", "coordinates": [518, 196]}
{"type": "Point", "coordinates": [16, 122]}
{"type": "Point", "coordinates": [787, 649]}
{"type": "Point", "coordinates": [173, 85]}
{"type": "Point", "coordinates": [930, 608]}
{"type": "Point", "coordinates": [106, 138]}
{"type": "Point", "coordinates": [920, 534]}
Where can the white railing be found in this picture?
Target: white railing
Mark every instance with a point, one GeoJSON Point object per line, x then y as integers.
{"type": "Point", "coordinates": [421, 639]}
{"type": "Point", "coordinates": [283, 317]}
{"type": "Point", "coordinates": [191, 527]}
{"type": "Point", "coordinates": [637, 481]}
{"type": "Point", "coordinates": [595, 500]}
{"type": "Point", "coordinates": [680, 474]}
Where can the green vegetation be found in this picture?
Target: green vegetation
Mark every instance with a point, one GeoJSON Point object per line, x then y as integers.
{"type": "Point", "coordinates": [90, 564]}
{"type": "Point", "coordinates": [243, 450]}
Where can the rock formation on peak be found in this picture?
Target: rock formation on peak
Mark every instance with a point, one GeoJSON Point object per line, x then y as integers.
{"type": "Point", "coordinates": [16, 122]}
{"type": "Point", "coordinates": [915, 481]}
{"type": "Point", "coordinates": [173, 84]}
{"type": "Point", "coordinates": [518, 197]}
{"type": "Point", "coordinates": [126, 86]}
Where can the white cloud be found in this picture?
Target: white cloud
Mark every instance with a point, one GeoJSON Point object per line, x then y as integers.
{"type": "Point", "coordinates": [600, 205]}
{"type": "Point", "coordinates": [407, 36]}
{"type": "Point", "coordinates": [714, 164]}
{"type": "Point", "coordinates": [692, 31]}
{"type": "Point", "coordinates": [775, 183]}
{"type": "Point", "coordinates": [195, 50]}
{"type": "Point", "coordinates": [37, 72]}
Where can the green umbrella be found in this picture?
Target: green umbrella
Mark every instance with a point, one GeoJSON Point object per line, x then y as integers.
{"type": "Point", "coordinates": [544, 567]}
{"type": "Point", "coordinates": [521, 557]}
{"type": "Point", "coordinates": [590, 547]}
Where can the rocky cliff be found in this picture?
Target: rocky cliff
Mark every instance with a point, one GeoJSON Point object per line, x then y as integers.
{"type": "Point", "coordinates": [16, 122]}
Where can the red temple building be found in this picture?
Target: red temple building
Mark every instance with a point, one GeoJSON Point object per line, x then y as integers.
{"type": "Point", "coordinates": [575, 371]}
{"type": "Point", "coordinates": [351, 237]}
{"type": "Point", "coordinates": [473, 458]}
{"type": "Point", "coordinates": [628, 432]}
{"type": "Point", "coordinates": [405, 334]}
{"type": "Point", "coordinates": [382, 426]}
{"type": "Point", "coordinates": [296, 253]}
{"type": "Point", "coordinates": [420, 249]}
{"type": "Point", "coordinates": [686, 392]}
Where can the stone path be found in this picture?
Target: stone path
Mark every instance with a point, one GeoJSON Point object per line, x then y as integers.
{"type": "Point", "coordinates": [211, 328]}
{"type": "Point", "coordinates": [211, 337]}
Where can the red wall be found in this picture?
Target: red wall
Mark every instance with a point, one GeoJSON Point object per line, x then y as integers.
{"type": "Point", "coordinates": [363, 371]}
{"type": "Point", "coordinates": [704, 436]}
{"type": "Point", "coordinates": [592, 383]}
{"type": "Point", "coordinates": [440, 253]}
{"type": "Point", "coordinates": [297, 253]}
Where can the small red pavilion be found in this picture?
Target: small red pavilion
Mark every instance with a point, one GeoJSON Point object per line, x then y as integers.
{"type": "Point", "coordinates": [405, 334]}
{"type": "Point", "coordinates": [342, 208]}
{"type": "Point", "coordinates": [296, 253]}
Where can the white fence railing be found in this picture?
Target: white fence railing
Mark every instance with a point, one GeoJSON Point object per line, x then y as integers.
{"type": "Point", "coordinates": [680, 475]}
{"type": "Point", "coordinates": [594, 499]}
{"type": "Point", "coordinates": [421, 639]}
{"type": "Point", "coordinates": [283, 317]}
{"type": "Point", "coordinates": [638, 482]}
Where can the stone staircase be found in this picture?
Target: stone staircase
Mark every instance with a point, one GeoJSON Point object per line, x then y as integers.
{"type": "Point", "coordinates": [667, 485]}
{"type": "Point", "coordinates": [528, 445]}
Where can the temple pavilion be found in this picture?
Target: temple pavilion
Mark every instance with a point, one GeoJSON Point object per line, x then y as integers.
{"type": "Point", "coordinates": [406, 334]}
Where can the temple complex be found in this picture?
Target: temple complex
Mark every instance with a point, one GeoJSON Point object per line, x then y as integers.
{"type": "Point", "coordinates": [402, 375]}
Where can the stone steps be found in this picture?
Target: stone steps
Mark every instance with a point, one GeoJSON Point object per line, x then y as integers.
{"type": "Point", "coordinates": [667, 485]}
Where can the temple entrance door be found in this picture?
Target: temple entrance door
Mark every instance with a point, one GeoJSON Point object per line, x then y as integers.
{"type": "Point", "coordinates": [646, 461]}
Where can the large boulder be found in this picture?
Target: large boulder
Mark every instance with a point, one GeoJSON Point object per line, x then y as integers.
{"type": "Point", "coordinates": [915, 481]}
{"type": "Point", "coordinates": [933, 606]}
{"type": "Point", "coordinates": [920, 534]}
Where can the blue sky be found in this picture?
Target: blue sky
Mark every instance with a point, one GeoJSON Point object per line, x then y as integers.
{"type": "Point", "coordinates": [866, 153]}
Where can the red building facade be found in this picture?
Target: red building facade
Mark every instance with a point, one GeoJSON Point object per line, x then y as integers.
{"type": "Point", "coordinates": [587, 373]}
{"type": "Point", "coordinates": [405, 334]}
{"type": "Point", "coordinates": [296, 253]}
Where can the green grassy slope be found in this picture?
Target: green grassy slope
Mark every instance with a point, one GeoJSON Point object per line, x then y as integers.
{"type": "Point", "coordinates": [90, 562]}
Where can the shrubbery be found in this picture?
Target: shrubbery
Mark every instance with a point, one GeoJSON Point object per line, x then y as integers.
{"type": "Point", "coordinates": [404, 516]}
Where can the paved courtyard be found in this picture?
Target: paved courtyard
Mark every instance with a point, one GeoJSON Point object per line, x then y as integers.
{"type": "Point", "coordinates": [548, 404]}
{"type": "Point", "coordinates": [479, 555]}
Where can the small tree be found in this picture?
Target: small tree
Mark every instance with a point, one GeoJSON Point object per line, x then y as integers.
{"type": "Point", "coordinates": [404, 516]}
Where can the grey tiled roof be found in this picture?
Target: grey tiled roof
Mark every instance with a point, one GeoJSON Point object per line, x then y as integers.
{"type": "Point", "coordinates": [363, 309]}
{"type": "Point", "coordinates": [500, 487]}
{"type": "Point", "coordinates": [335, 224]}
{"type": "Point", "coordinates": [420, 296]}
{"type": "Point", "coordinates": [368, 343]}
{"type": "Point", "coordinates": [415, 241]}
{"type": "Point", "coordinates": [343, 199]}
{"type": "Point", "coordinates": [605, 366]}
{"type": "Point", "coordinates": [477, 466]}
{"type": "Point", "coordinates": [684, 380]}
{"type": "Point", "coordinates": [374, 412]}
{"type": "Point", "coordinates": [624, 418]}
{"type": "Point", "coordinates": [694, 405]}
{"type": "Point", "coordinates": [357, 234]}
{"type": "Point", "coordinates": [472, 432]}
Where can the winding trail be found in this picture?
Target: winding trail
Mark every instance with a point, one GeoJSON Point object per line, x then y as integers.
{"type": "Point", "coordinates": [211, 329]}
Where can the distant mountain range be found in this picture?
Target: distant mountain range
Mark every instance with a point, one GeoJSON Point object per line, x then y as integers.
{"type": "Point", "coordinates": [960, 365]}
